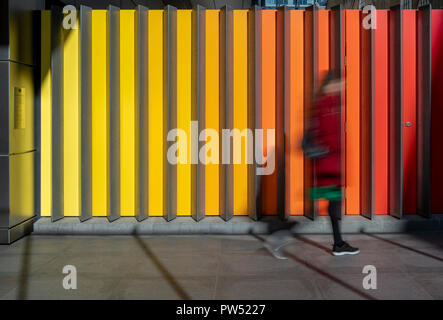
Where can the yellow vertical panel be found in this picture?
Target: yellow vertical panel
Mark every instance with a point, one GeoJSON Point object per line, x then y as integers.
{"type": "Point", "coordinates": [240, 98]}
{"type": "Point", "coordinates": [99, 115]}
{"type": "Point", "coordinates": [71, 123]}
{"type": "Point", "coordinates": [155, 96]}
{"type": "Point", "coordinates": [127, 113]}
{"type": "Point", "coordinates": [184, 104]}
{"type": "Point", "coordinates": [45, 95]}
{"type": "Point", "coordinates": [212, 95]}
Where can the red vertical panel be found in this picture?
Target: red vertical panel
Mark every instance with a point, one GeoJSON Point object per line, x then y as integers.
{"type": "Point", "coordinates": [380, 112]}
{"type": "Point", "coordinates": [409, 111]}
{"type": "Point", "coordinates": [437, 112]}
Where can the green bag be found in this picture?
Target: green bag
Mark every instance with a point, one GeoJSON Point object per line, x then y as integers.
{"type": "Point", "coordinates": [328, 193]}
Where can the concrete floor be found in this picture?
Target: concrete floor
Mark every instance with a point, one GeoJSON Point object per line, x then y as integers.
{"type": "Point", "coordinates": [220, 267]}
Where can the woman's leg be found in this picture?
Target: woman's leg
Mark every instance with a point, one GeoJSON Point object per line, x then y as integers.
{"type": "Point", "coordinates": [335, 212]}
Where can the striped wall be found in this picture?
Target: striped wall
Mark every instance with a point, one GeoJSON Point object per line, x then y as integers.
{"type": "Point", "coordinates": [139, 73]}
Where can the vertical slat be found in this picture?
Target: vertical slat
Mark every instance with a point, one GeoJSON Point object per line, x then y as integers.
{"type": "Point", "coordinates": [365, 121]}
{"type": "Point", "coordinates": [240, 112]}
{"type": "Point", "coordinates": [280, 113]}
{"type": "Point", "coordinates": [114, 110]}
{"type": "Point", "coordinates": [268, 108]}
{"type": "Point", "coordinates": [294, 113]}
{"type": "Point", "coordinates": [395, 114]}
{"type": "Point", "coordinates": [315, 55]}
{"type": "Point", "coordinates": [210, 111]}
{"type": "Point", "coordinates": [141, 103]}
{"type": "Point", "coordinates": [258, 101]}
{"type": "Point", "coordinates": [85, 54]}
{"type": "Point", "coordinates": [437, 111]}
{"type": "Point", "coordinates": [308, 85]}
{"type": "Point", "coordinates": [157, 113]}
{"type": "Point", "coordinates": [100, 115]}
{"type": "Point", "coordinates": [198, 112]}
{"type": "Point", "coordinates": [353, 110]}
{"type": "Point", "coordinates": [46, 115]}
{"type": "Point", "coordinates": [226, 111]}
{"type": "Point", "coordinates": [424, 94]}
{"type": "Point", "coordinates": [322, 63]}
{"type": "Point", "coordinates": [71, 123]}
{"type": "Point", "coordinates": [380, 108]}
{"type": "Point", "coordinates": [170, 104]}
{"type": "Point", "coordinates": [128, 121]}
{"type": "Point", "coordinates": [409, 124]}
{"type": "Point", "coordinates": [57, 114]}
{"type": "Point", "coordinates": [337, 52]}
{"type": "Point", "coordinates": [184, 114]}
{"type": "Point", "coordinates": [253, 34]}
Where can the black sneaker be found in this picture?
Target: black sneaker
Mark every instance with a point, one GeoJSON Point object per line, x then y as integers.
{"type": "Point", "coordinates": [345, 248]}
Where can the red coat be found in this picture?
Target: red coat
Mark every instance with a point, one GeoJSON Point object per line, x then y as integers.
{"type": "Point", "coordinates": [326, 132]}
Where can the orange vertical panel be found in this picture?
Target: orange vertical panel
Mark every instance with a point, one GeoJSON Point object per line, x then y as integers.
{"type": "Point", "coordinates": [409, 111]}
{"type": "Point", "coordinates": [352, 72]}
{"type": "Point", "coordinates": [323, 44]}
{"type": "Point", "coordinates": [268, 104]}
{"type": "Point", "coordinates": [323, 66]}
{"type": "Point", "coordinates": [294, 114]}
{"type": "Point", "coordinates": [380, 114]}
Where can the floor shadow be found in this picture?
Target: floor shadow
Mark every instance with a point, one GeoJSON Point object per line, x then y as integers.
{"type": "Point", "coordinates": [163, 270]}
{"type": "Point", "coordinates": [22, 292]}
{"type": "Point", "coordinates": [402, 246]}
{"type": "Point", "coordinates": [313, 243]}
{"type": "Point", "coordinates": [322, 272]}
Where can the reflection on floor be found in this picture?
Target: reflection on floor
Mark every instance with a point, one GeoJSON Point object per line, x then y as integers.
{"type": "Point", "coordinates": [220, 267]}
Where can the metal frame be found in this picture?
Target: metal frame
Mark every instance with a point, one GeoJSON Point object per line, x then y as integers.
{"type": "Point", "coordinates": [309, 80]}
{"type": "Point", "coordinates": [142, 105]}
{"type": "Point", "coordinates": [198, 192]}
{"type": "Point", "coordinates": [395, 115]}
{"type": "Point", "coordinates": [257, 179]}
{"type": "Point", "coordinates": [287, 106]}
{"type": "Point", "coordinates": [424, 58]}
{"type": "Point", "coordinates": [367, 149]}
{"type": "Point", "coordinates": [371, 213]}
{"type": "Point", "coordinates": [280, 116]}
{"type": "Point", "coordinates": [226, 110]}
{"type": "Point", "coordinates": [57, 40]}
{"type": "Point", "coordinates": [170, 105]}
{"type": "Point", "coordinates": [254, 181]}
{"type": "Point", "coordinates": [37, 23]}
{"type": "Point", "coordinates": [114, 110]}
{"type": "Point", "coordinates": [85, 65]}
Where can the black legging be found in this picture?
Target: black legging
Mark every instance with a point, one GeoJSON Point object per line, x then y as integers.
{"type": "Point", "coordinates": [335, 213]}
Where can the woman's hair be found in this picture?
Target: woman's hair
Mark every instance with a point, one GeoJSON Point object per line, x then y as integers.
{"type": "Point", "coordinates": [332, 75]}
